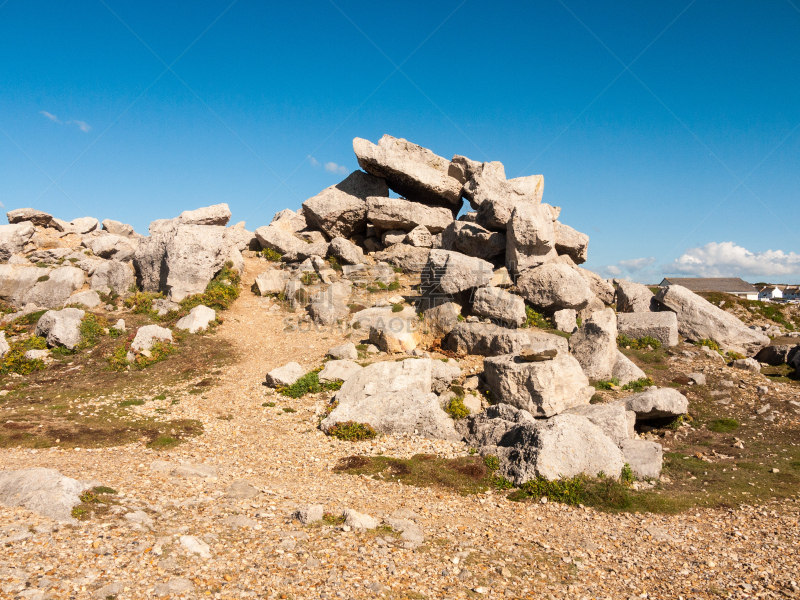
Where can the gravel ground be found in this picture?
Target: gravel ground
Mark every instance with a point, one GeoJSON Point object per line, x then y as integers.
{"type": "Point", "coordinates": [185, 536]}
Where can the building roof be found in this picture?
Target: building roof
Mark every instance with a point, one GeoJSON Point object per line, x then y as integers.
{"type": "Point", "coordinates": [712, 284]}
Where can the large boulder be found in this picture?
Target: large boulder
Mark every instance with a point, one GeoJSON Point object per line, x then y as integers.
{"type": "Point", "coordinates": [420, 237]}
{"type": "Point", "coordinates": [662, 326]}
{"type": "Point", "coordinates": [82, 225]}
{"type": "Point", "coordinates": [36, 217]}
{"type": "Point", "coordinates": [625, 370]}
{"type": "Point", "coordinates": [109, 246]}
{"type": "Point", "coordinates": [657, 404]}
{"type": "Point", "coordinates": [554, 286]}
{"type": "Point", "coordinates": [289, 220]}
{"type": "Point", "coordinates": [530, 237]}
{"type": "Point", "coordinates": [571, 242]}
{"type": "Point", "coordinates": [285, 375]}
{"type": "Point", "coordinates": [634, 298]}
{"type": "Point", "coordinates": [242, 238]}
{"type": "Point", "coordinates": [61, 327]}
{"type": "Point", "coordinates": [117, 276]}
{"type": "Point", "coordinates": [499, 304]}
{"type": "Point", "coordinates": [644, 458]}
{"type": "Point", "coordinates": [543, 388]}
{"type": "Point", "coordinates": [698, 319]}
{"type": "Point", "coordinates": [393, 397]}
{"type": "Point", "coordinates": [602, 290]}
{"type": "Point", "coordinates": [403, 256]}
{"type": "Point", "coordinates": [345, 251]}
{"type": "Point", "coordinates": [594, 345]}
{"type": "Point", "coordinates": [278, 239]}
{"type": "Point", "coordinates": [330, 304]}
{"type": "Point", "coordinates": [271, 281]}
{"type": "Point", "coordinates": [395, 336]}
{"type": "Point", "coordinates": [441, 317]}
{"type": "Point", "coordinates": [561, 447]}
{"type": "Point", "coordinates": [218, 214]}
{"type": "Point", "coordinates": [44, 491]}
{"type": "Point", "coordinates": [16, 281]}
{"type": "Point", "coordinates": [55, 290]}
{"type": "Point", "coordinates": [488, 339]}
{"type": "Point", "coordinates": [87, 299]}
{"type": "Point", "coordinates": [494, 197]}
{"type": "Point", "coordinates": [13, 238]}
{"type": "Point", "coordinates": [616, 422]}
{"type": "Point", "coordinates": [473, 240]}
{"type": "Point", "coordinates": [410, 170]}
{"type": "Point", "coordinates": [399, 214]}
{"type": "Point", "coordinates": [339, 370]}
{"type": "Point", "coordinates": [341, 210]}
{"type": "Point", "coordinates": [775, 355]}
{"type": "Point", "coordinates": [148, 335]}
{"type": "Point", "coordinates": [450, 272]}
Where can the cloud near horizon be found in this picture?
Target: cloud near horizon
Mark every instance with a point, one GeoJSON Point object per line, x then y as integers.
{"type": "Point", "coordinates": [726, 259]}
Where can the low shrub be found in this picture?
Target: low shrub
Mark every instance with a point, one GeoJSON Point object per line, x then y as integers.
{"type": "Point", "coordinates": [397, 307]}
{"type": "Point", "coordinates": [394, 286]}
{"type": "Point", "coordinates": [92, 329]}
{"type": "Point", "coordinates": [731, 355]}
{"type": "Point", "coordinates": [43, 278]}
{"type": "Point", "coordinates": [334, 263]}
{"type": "Point", "coordinates": [639, 384]}
{"type": "Point", "coordinates": [723, 425]}
{"type": "Point", "coordinates": [492, 462]}
{"type": "Point", "coordinates": [308, 278]}
{"type": "Point", "coordinates": [638, 343]}
{"type": "Point", "coordinates": [709, 344]}
{"type": "Point", "coordinates": [457, 409]}
{"type": "Point", "coordinates": [272, 255]}
{"type": "Point", "coordinates": [351, 431]}
{"type": "Point", "coordinates": [606, 384]}
{"type": "Point", "coordinates": [308, 384]}
{"type": "Point", "coordinates": [15, 362]}
{"type": "Point", "coordinates": [141, 303]}
{"type": "Point", "coordinates": [535, 319]}
{"type": "Point", "coordinates": [220, 292]}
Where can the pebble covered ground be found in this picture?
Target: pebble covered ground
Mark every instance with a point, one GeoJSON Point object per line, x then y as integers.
{"type": "Point", "coordinates": [200, 532]}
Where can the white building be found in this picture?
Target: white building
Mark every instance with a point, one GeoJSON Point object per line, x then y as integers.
{"type": "Point", "coordinates": [771, 292]}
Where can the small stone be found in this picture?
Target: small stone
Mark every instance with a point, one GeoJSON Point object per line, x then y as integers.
{"type": "Point", "coordinates": [538, 355]}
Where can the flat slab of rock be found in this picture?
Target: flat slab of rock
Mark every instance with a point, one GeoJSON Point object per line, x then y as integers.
{"type": "Point", "coordinates": [571, 242]}
{"type": "Point", "coordinates": [37, 217]}
{"type": "Point", "coordinates": [543, 389]}
{"type": "Point", "coordinates": [595, 345]}
{"type": "Point", "coordinates": [346, 351]}
{"type": "Point", "coordinates": [410, 170]}
{"type": "Point", "coordinates": [45, 491]}
{"type": "Point", "coordinates": [616, 422]}
{"type": "Point", "coordinates": [404, 256]}
{"type": "Point", "coordinates": [662, 326]}
{"type": "Point", "coordinates": [473, 240]}
{"type": "Point", "coordinates": [218, 214]}
{"type": "Point", "coordinates": [625, 370]}
{"type": "Point", "coordinates": [747, 364]}
{"type": "Point", "coordinates": [399, 214]}
{"type": "Point", "coordinates": [499, 304]}
{"type": "Point", "coordinates": [657, 404]}
{"type": "Point", "coordinates": [285, 375]}
{"type": "Point", "coordinates": [698, 319]}
{"type": "Point", "coordinates": [634, 298]}
{"type": "Point", "coordinates": [57, 288]}
{"type": "Point", "coordinates": [241, 489]}
{"type": "Point", "coordinates": [450, 272]}
{"type": "Point", "coordinates": [645, 458]}
{"type": "Point", "coordinates": [339, 370]}
{"type": "Point", "coordinates": [345, 251]}
{"type": "Point", "coordinates": [488, 339]}
{"type": "Point", "coordinates": [341, 210]}
{"type": "Point", "coordinates": [358, 520]}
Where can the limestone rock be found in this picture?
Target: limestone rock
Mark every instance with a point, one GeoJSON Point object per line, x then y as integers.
{"type": "Point", "coordinates": [109, 246]}
{"type": "Point", "coordinates": [13, 238]}
{"type": "Point", "coordinates": [285, 375]}
{"type": "Point", "coordinates": [198, 319]}
{"type": "Point", "coordinates": [55, 290]}
{"type": "Point", "coordinates": [473, 240]}
{"type": "Point", "coordinates": [341, 210]}
{"type": "Point", "coordinates": [89, 299]}
{"type": "Point", "coordinates": [775, 355]}
{"type": "Point", "coordinates": [420, 237]}
{"type": "Point", "coordinates": [4, 347]}
{"type": "Point", "coordinates": [83, 225]}
{"type": "Point", "coordinates": [339, 370]}
{"type": "Point", "coordinates": [345, 251]}
{"type": "Point", "coordinates": [634, 298]}
{"type": "Point", "coordinates": [148, 335]}
{"type": "Point", "coordinates": [403, 256]}
{"type": "Point", "coordinates": [346, 351]}
{"type": "Point", "coordinates": [572, 243]}
{"type": "Point", "coordinates": [121, 229]}
{"type": "Point", "coordinates": [194, 254]}
{"type": "Point", "coordinates": [358, 520]}
{"type": "Point", "coordinates": [61, 327]}
{"type": "Point", "coordinates": [410, 170]}
{"type": "Point", "coordinates": [117, 276]}
{"type": "Point", "coordinates": [391, 339]}
{"type": "Point", "coordinates": [441, 317]}
{"type": "Point", "coordinates": [289, 220]}
{"type": "Point", "coordinates": [278, 239]}
{"type": "Point", "coordinates": [443, 374]}
{"type": "Point", "coordinates": [271, 281]}
{"type": "Point", "coordinates": [554, 286]}
{"type": "Point", "coordinates": [699, 319]}
{"type": "Point", "coordinates": [657, 404]}
{"type": "Point", "coordinates": [625, 371]}
{"type": "Point", "coordinates": [645, 458]}
{"type": "Point", "coordinates": [36, 217]}
{"type": "Point", "coordinates": [218, 214]}
{"type": "Point", "coordinates": [662, 326]}
{"type": "Point", "coordinates": [612, 419]}
{"type": "Point", "coordinates": [403, 215]}
{"type": "Point", "coordinates": [603, 290]}
{"type": "Point", "coordinates": [309, 513]}
{"type": "Point", "coordinates": [747, 364]}
{"type": "Point", "coordinates": [495, 198]}
{"type": "Point", "coordinates": [44, 491]}
{"type": "Point", "coordinates": [16, 281]}
{"type": "Point", "coordinates": [595, 345]}
{"type": "Point", "coordinates": [488, 339]}
{"type": "Point", "coordinates": [530, 237]}
{"type": "Point", "coordinates": [500, 305]}
{"type": "Point", "coordinates": [565, 320]}
{"type": "Point", "coordinates": [542, 388]}
{"type": "Point", "coordinates": [451, 272]}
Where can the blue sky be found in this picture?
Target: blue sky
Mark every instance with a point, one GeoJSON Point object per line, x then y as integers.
{"type": "Point", "coordinates": [668, 132]}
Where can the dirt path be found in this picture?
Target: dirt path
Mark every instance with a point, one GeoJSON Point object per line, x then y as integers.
{"type": "Point", "coordinates": [474, 546]}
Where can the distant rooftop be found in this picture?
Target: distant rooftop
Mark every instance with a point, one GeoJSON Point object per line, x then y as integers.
{"type": "Point", "coordinates": [711, 284]}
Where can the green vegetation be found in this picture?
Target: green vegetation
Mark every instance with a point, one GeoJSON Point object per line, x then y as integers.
{"type": "Point", "coordinates": [136, 402]}
{"type": "Point", "coordinates": [731, 355]}
{"type": "Point", "coordinates": [491, 462]}
{"type": "Point", "coordinates": [220, 292]}
{"type": "Point", "coordinates": [723, 425]}
{"type": "Point", "coordinates": [457, 409]}
{"type": "Point", "coordinates": [334, 263]}
{"type": "Point", "coordinates": [639, 384]}
{"type": "Point", "coordinates": [15, 362]}
{"type": "Point", "coordinates": [459, 318]}
{"type": "Point", "coordinates": [309, 384]}
{"type": "Point", "coordinates": [535, 319]}
{"type": "Point", "coordinates": [397, 307]}
{"type": "Point", "coordinates": [709, 344]}
{"type": "Point", "coordinates": [394, 286]}
{"type": "Point", "coordinates": [92, 329]}
{"type": "Point", "coordinates": [288, 409]}
{"type": "Point", "coordinates": [308, 278]}
{"type": "Point", "coordinates": [118, 360]}
{"type": "Point", "coordinates": [43, 278]}
{"type": "Point", "coordinates": [141, 303]}
{"type": "Point", "coordinates": [351, 431]}
{"type": "Point", "coordinates": [606, 385]}
{"type": "Point", "coordinates": [638, 343]}
{"type": "Point", "coordinates": [268, 404]}
{"type": "Point", "coordinates": [273, 255]}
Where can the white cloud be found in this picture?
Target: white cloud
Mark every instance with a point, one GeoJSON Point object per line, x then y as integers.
{"type": "Point", "coordinates": [2, 205]}
{"type": "Point", "coordinates": [636, 264]}
{"type": "Point", "coordinates": [84, 127]}
{"type": "Point", "coordinates": [729, 260]}
{"type": "Point", "coordinates": [332, 167]}
{"type": "Point", "coordinates": [613, 270]}
{"type": "Point", "coordinates": [313, 161]}
{"type": "Point", "coordinates": [52, 117]}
